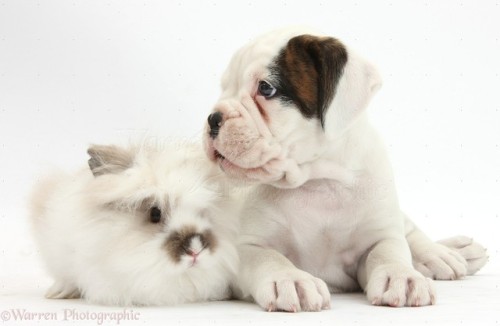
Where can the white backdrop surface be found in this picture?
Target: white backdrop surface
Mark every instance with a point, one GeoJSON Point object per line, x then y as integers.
{"type": "Point", "coordinates": [74, 73]}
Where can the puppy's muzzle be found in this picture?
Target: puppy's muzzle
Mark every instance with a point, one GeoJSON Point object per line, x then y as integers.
{"type": "Point", "coordinates": [215, 122]}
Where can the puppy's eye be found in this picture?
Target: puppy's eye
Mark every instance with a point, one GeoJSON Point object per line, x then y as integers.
{"type": "Point", "coordinates": [155, 215]}
{"type": "Point", "coordinates": [267, 90]}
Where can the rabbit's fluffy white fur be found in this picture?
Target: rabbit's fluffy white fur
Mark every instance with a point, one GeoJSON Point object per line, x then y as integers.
{"type": "Point", "coordinates": [141, 226]}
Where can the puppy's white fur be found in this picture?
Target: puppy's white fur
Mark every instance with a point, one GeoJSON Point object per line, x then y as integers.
{"type": "Point", "coordinates": [325, 211]}
{"type": "Point", "coordinates": [97, 241]}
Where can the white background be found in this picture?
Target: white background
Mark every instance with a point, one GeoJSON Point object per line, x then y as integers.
{"type": "Point", "coordinates": [79, 72]}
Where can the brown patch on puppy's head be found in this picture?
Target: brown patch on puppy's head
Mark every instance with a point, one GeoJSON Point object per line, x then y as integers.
{"type": "Point", "coordinates": [307, 72]}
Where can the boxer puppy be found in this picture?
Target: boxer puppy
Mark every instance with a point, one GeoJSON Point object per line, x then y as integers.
{"type": "Point", "coordinates": [324, 214]}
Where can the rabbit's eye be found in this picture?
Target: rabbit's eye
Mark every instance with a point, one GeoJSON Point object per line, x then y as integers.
{"type": "Point", "coordinates": [155, 215]}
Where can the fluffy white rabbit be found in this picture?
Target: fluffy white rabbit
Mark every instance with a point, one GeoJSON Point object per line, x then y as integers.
{"type": "Point", "coordinates": [139, 226]}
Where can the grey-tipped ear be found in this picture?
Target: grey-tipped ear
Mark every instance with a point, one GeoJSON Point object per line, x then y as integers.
{"type": "Point", "coordinates": [109, 159]}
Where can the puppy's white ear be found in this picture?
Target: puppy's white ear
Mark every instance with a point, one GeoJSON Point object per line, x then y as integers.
{"type": "Point", "coordinates": [359, 83]}
{"type": "Point", "coordinates": [109, 159]}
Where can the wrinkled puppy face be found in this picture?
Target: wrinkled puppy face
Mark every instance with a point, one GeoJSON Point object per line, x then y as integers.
{"type": "Point", "coordinates": [276, 92]}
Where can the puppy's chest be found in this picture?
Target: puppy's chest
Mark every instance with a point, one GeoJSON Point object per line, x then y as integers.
{"type": "Point", "coordinates": [322, 227]}
{"type": "Point", "coordinates": [318, 217]}
{"type": "Point", "coordinates": [319, 203]}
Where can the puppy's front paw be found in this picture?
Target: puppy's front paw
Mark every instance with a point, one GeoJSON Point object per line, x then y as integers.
{"type": "Point", "coordinates": [292, 290]}
{"type": "Point", "coordinates": [397, 286]}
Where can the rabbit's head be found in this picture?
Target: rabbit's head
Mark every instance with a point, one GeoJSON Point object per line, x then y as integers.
{"type": "Point", "coordinates": [161, 205]}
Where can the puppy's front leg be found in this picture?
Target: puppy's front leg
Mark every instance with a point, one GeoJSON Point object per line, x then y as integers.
{"type": "Point", "coordinates": [276, 284]}
{"type": "Point", "coordinates": [388, 277]}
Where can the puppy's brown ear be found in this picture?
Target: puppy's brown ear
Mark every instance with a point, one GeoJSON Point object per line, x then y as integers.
{"type": "Point", "coordinates": [308, 69]}
{"type": "Point", "coordinates": [109, 159]}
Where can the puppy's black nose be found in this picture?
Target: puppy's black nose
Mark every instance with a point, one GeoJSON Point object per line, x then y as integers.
{"type": "Point", "coordinates": [214, 122]}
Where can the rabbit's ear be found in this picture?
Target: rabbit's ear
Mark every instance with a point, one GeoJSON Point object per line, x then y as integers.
{"type": "Point", "coordinates": [109, 159]}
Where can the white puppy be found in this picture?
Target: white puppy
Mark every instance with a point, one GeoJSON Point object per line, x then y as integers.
{"type": "Point", "coordinates": [291, 118]}
{"type": "Point", "coordinates": [141, 226]}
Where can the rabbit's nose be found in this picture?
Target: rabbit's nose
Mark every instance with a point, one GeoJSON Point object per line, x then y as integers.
{"type": "Point", "coordinates": [187, 241]}
{"type": "Point", "coordinates": [194, 244]}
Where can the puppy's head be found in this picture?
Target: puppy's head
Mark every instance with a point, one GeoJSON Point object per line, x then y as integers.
{"type": "Point", "coordinates": [285, 96]}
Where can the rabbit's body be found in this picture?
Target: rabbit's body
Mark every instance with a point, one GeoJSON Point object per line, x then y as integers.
{"type": "Point", "coordinates": [141, 227]}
